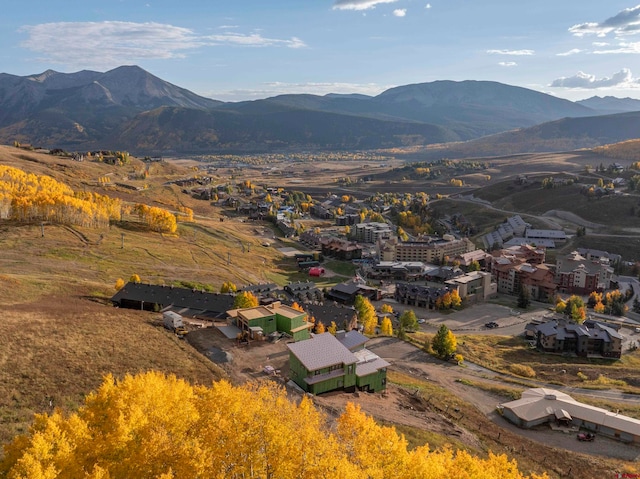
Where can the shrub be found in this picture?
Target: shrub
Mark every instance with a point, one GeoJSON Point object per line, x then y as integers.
{"type": "Point", "coordinates": [522, 370]}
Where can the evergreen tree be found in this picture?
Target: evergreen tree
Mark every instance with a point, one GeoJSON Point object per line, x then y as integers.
{"type": "Point", "coordinates": [524, 298]}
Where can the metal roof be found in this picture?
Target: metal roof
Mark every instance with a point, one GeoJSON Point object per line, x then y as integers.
{"type": "Point", "coordinates": [538, 403]}
{"type": "Point", "coordinates": [321, 351]}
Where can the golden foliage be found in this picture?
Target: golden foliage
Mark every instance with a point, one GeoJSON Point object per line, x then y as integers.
{"type": "Point", "coordinates": [625, 150]}
{"type": "Point", "coordinates": [245, 299]}
{"type": "Point", "coordinates": [28, 197]}
{"type": "Point", "coordinates": [386, 328]}
{"type": "Point", "coordinates": [119, 284]}
{"type": "Point", "coordinates": [228, 287]}
{"type": "Point", "coordinates": [157, 219]}
{"type": "Point", "coordinates": [152, 425]}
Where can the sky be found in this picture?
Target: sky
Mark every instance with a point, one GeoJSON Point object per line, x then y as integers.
{"type": "Point", "coordinates": [249, 49]}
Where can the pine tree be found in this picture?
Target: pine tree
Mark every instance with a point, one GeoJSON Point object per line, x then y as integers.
{"type": "Point", "coordinates": [524, 299]}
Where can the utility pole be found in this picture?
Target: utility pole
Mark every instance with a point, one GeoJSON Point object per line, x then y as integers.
{"type": "Point", "coordinates": [42, 228]}
{"type": "Point", "coordinates": [228, 258]}
{"type": "Point", "coordinates": [122, 241]}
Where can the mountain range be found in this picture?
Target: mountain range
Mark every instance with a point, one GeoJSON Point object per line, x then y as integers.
{"type": "Point", "coordinates": [130, 109]}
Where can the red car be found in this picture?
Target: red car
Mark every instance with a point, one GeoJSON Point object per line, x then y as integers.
{"type": "Point", "coordinates": [586, 436]}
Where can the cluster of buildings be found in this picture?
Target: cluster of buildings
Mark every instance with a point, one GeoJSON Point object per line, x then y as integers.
{"type": "Point", "coordinates": [318, 363]}
{"type": "Point", "coordinates": [515, 231]}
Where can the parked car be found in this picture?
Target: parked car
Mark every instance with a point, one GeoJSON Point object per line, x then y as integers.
{"type": "Point", "coordinates": [586, 436]}
{"type": "Point", "coordinates": [491, 325]}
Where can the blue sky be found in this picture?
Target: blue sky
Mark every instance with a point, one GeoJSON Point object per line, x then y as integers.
{"type": "Point", "coordinates": [248, 49]}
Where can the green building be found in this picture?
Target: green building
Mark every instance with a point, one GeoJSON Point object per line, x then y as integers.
{"type": "Point", "coordinates": [264, 320]}
{"type": "Point", "coordinates": [326, 363]}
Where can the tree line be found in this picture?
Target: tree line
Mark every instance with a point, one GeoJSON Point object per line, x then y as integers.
{"type": "Point", "coordinates": [153, 425]}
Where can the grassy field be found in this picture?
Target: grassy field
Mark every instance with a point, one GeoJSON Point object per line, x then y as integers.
{"type": "Point", "coordinates": [500, 352]}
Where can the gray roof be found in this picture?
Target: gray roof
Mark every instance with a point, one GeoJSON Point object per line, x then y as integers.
{"type": "Point", "coordinates": [353, 339]}
{"type": "Point", "coordinates": [363, 369]}
{"type": "Point", "coordinates": [321, 351]}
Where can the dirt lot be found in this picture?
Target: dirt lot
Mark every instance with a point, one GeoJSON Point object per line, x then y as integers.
{"type": "Point", "coordinates": [399, 405]}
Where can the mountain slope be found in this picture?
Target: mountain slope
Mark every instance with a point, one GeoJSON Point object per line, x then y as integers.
{"type": "Point", "coordinates": [611, 104]}
{"type": "Point", "coordinates": [59, 109]}
{"type": "Point", "coordinates": [560, 135]}
{"type": "Point", "coordinates": [93, 110]}
{"type": "Point", "coordinates": [197, 131]}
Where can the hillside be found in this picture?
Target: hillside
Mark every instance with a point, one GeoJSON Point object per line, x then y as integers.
{"type": "Point", "coordinates": [610, 104]}
{"type": "Point", "coordinates": [129, 108]}
{"type": "Point", "coordinates": [566, 134]}
{"type": "Point", "coordinates": [61, 333]}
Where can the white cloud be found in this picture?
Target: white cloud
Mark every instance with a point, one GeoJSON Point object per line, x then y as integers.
{"type": "Point", "coordinates": [583, 80]}
{"type": "Point", "coordinates": [626, 22]}
{"type": "Point", "coordinates": [512, 52]}
{"type": "Point", "coordinates": [573, 51]}
{"type": "Point", "coordinates": [400, 12]}
{"type": "Point", "coordinates": [427, 6]}
{"type": "Point", "coordinates": [622, 47]}
{"type": "Point", "coordinates": [508, 64]}
{"type": "Point", "coordinates": [112, 43]}
{"type": "Point", "coordinates": [252, 40]}
{"type": "Point", "coordinates": [281, 88]}
{"type": "Point", "coordinates": [358, 4]}
{"type": "Point", "coordinates": [600, 44]}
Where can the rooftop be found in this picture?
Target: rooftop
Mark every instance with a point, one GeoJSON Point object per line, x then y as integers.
{"type": "Point", "coordinates": [321, 351]}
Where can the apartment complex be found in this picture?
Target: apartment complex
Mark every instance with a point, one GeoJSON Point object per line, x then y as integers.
{"type": "Point", "coordinates": [576, 274]}
{"type": "Point", "coordinates": [431, 250]}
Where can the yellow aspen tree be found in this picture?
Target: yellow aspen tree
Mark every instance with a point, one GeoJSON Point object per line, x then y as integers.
{"type": "Point", "coordinates": [386, 328]}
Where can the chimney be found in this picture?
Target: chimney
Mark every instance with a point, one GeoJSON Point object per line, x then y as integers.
{"type": "Point", "coordinates": [340, 335]}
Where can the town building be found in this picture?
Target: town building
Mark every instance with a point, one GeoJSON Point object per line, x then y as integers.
{"type": "Point", "coordinates": [419, 296]}
{"type": "Point", "coordinates": [512, 273]}
{"type": "Point", "coordinates": [590, 339]}
{"type": "Point", "coordinates": [372, 232]}
{"type": "Point", "coordinates": [327, 363]}
{"type": "Point", "coordinates": [262, 321]}
{"type": "Point", "coordinates": [541, 405]}
{"type": "Point", "coordinates": [576, 274]}
{"type": "Point", "coordinates": [340, 249]}
{"type": "Point", "coordinates": [431, 250]}
{"type": "Point", "coordinates": [346, 293]}
{"type": "Point", "coordinates": [474, 287]}
{"type": "Point", "coordinates": [191, 303]}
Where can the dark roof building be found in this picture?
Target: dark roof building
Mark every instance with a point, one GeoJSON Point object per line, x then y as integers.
{"type": "Point", "coordinates": [187, 302]}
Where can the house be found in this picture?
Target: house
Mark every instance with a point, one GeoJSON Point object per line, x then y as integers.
{"type": "Point", "coordinates": [418, 295]}
{"type": "Point", "coordinates": [327, 363]}
{"type": "Point", "coordinates": [344, 250]}
{"type": "Point", "coordinates": [346, 293]}
{"type": "Point", "coordinates": [590, 339]}
{"type": "Point", "coordinates": [541, 405]}
{"type": "Point", "coordinates": [264, 320]}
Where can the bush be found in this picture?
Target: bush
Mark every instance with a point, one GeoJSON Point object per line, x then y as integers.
{"type": "Point", "coordinates": [582, 376]}
{"type": "Point", "coordinates": [522, 370]}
